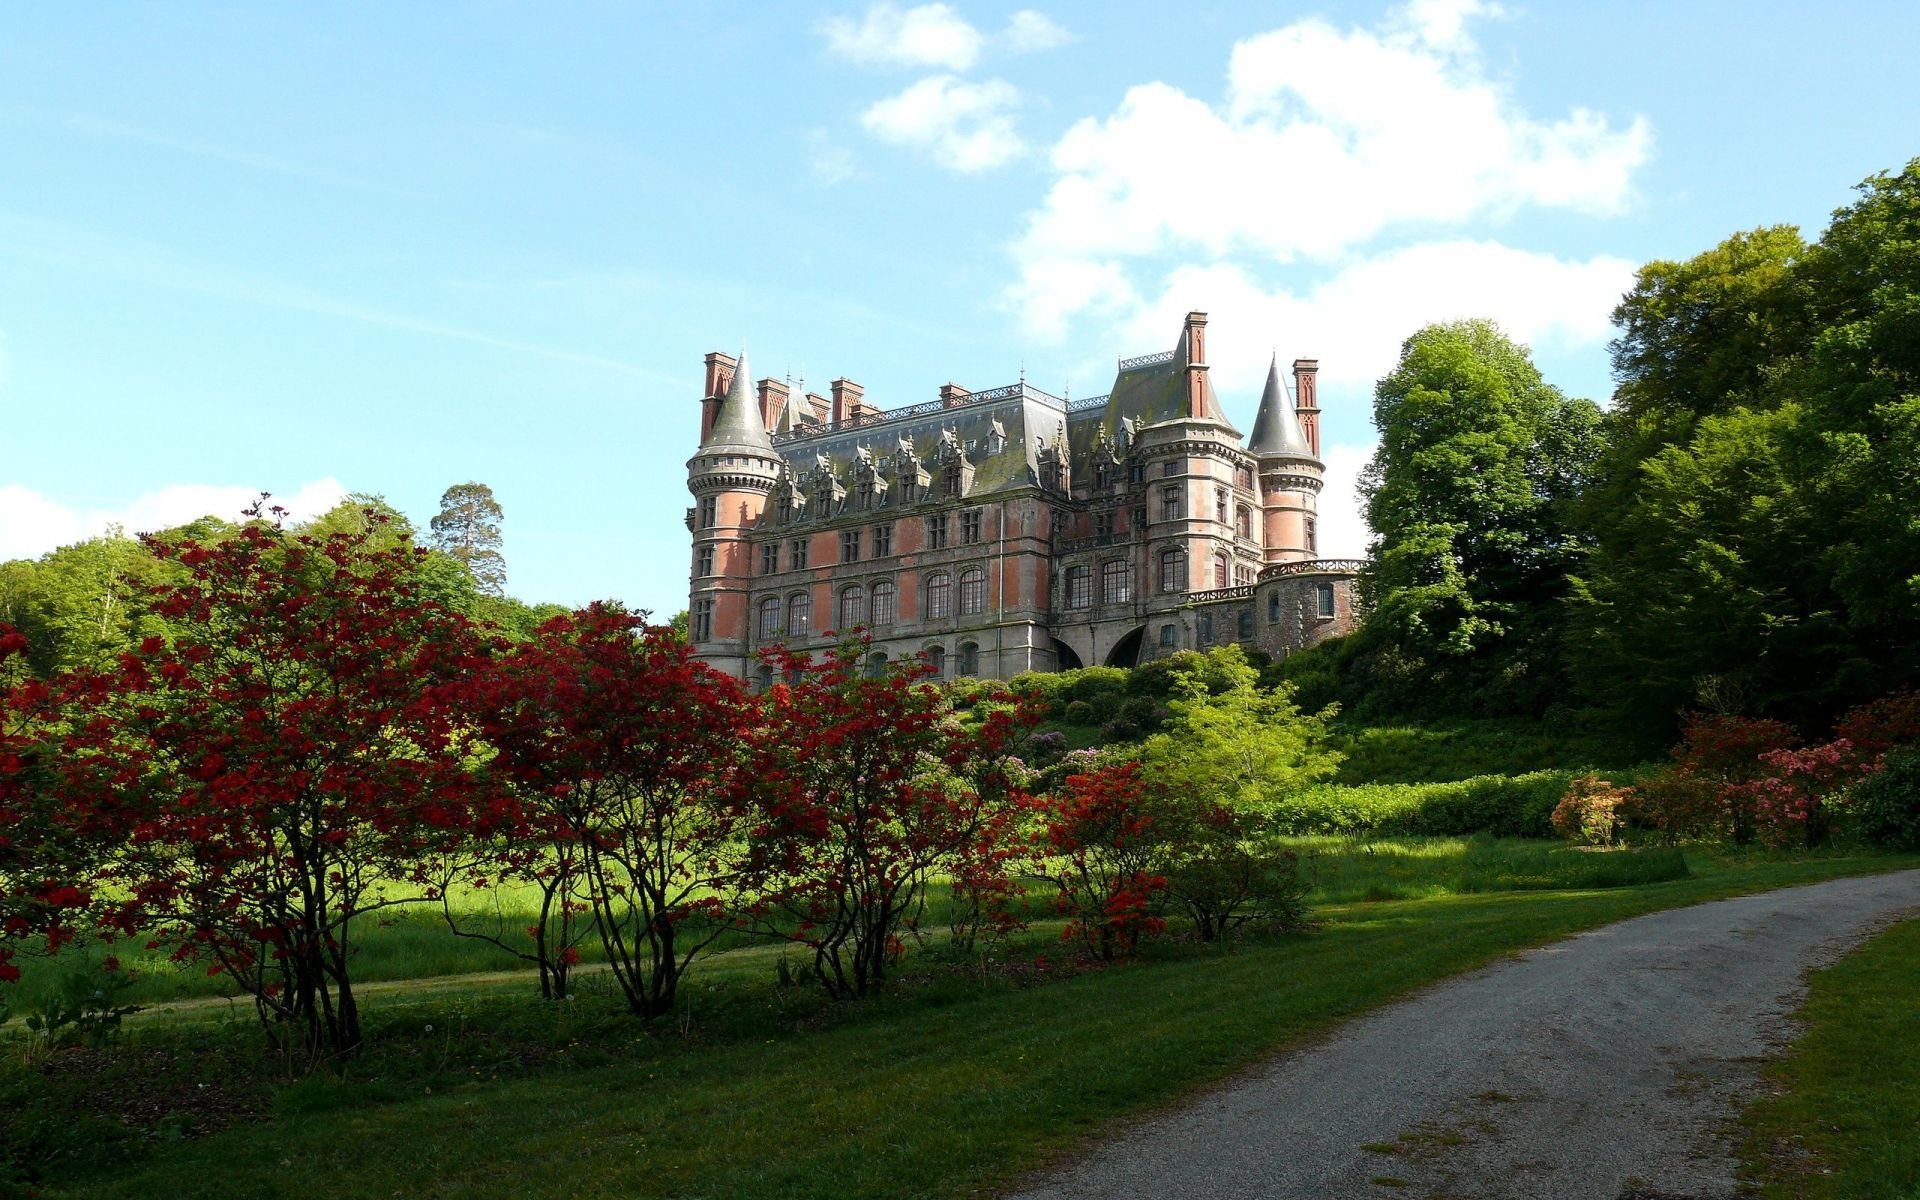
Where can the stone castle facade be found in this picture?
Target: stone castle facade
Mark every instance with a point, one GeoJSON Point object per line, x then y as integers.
{"type": "Point", "coordinates": [1009, 530]}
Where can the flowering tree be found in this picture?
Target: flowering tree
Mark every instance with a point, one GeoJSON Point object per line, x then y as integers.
{"type": "Point", "coordinates": [1721, 754]}
{"type": "Point", "coordinates": [860, 788]}
{"type": "Point", "coordinates": [1098, 843]}
{"type": "Point", "coordinates": [621, 747]}
{"type": "Point", "coordinates": [277, 765]}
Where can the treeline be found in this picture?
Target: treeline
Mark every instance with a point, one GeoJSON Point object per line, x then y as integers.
{"type": "Point", "coordinates": [1738, 533]}
{"type": "Point", "coordinates": [85, 604]}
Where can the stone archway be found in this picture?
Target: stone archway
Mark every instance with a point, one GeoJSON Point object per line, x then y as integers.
{"type": "Point", "coordinates": [1126, 651]}
{"type": "Point", "coordinates": [1065, 657]}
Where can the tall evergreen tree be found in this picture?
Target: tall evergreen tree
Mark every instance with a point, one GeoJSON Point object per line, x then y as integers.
{"type": "Point", "coordinates": [468, 529]}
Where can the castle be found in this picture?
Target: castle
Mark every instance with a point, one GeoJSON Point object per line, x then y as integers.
{"type": "Point", "coordinates": [1010, 530]}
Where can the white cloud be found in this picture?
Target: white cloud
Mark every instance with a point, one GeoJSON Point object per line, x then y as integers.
{"type": "Point", "coordinates": [1342, 525]}
{"type": "Point", "coordinates": [1326, 140]}
{"type": "Point", "coordinates": [1355, 320]}
{"type": "Point", "coordinates": [1030, 31]}
{"type": "Point", "coordinates": [930, 35]}
{"type": "Point", "coordinates": [966, 127]}
{"type": "Point", "coordinates": [32, 523]}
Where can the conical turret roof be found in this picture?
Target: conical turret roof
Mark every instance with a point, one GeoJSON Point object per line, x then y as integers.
{"type": "Point", "coordinates": [738, 426]}
{"type": "Point", "coordinates": [1276, 430]}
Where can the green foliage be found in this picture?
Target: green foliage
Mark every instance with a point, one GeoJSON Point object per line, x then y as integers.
{"type": "Point", "coordinates": [1472, 498]}
{"type": "Point", "coordinates": [467, 530]}
{"type": "Point", "coordinates": [84, 1009]}
{"type": "Point", "coordinates": [1498, 805]}
{"type": "Point", "coordinates": [1884, 808]}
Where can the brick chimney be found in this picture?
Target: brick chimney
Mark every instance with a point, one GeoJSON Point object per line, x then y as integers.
{"type": "Point", "coordinates": [1195, 337]}
{"type": "Point", "coordinates": [1306, 393]}
{"type": "Point", "coordinates": [773, 401]}
{"type": "Point", "coordinates": [719, 379]}
{"type": "Point", "coordinates": [952, 394]}
{"type": "Point", "coordinates": [846, 400]}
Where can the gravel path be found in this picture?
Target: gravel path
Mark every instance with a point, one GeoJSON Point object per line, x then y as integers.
{"type": "Point", "coordinates": [1604, 1066]}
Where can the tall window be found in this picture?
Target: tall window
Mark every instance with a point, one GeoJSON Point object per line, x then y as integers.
{"type": "Point", "coordinates": [1116, 581]}
{"type": "Point", "coordinates": [703, 620]}
{"type": "Point", "coordinates": [876, 664]}
{"type": "Point", "coordinates": [849, 545]}
{"type": "Point", "coordinates": [937, 655]}
{"type": "Point", "coordinates": [970, 527]}
{"type": "Point", "coordinates": [853, 607]}
{"type": "Point", "coordinates": [1171, 467]}
{"type": "Point", "coordinates": [1222, 571]}
{"type": "Point", "coordinates": [770, 558]}
{"type": "Point", "coordinates": [703, 561]}
{"type": "Point", "coordinates": [1203, 627]}
{"type": "Point", "coordinates": [1169, 503]}
{"type": "Point", "coordinates": [950, 481]}
{"type": "Point", "coordinates": [1079, 587]}
{"type": "Point", "coordinates": [1103, 476]}
{"type": "Point", "coordinates": [1313, 538]}
{"type": "Point", "coordinates": [1243, 476]}
{"type": "Point", "coordinates": [883, 605]}
{"type": "Point", "coordinates": [969, 659]}
{"type": "Point", "coordinates": [1220, 505]}
{"type": "Point", "coordinates": [799, 614]}
{"type": "Point", "coordinates": [709, 506]}
{"type": "Point", "coordinates": [883, 539]}
{"type": "Point", "coordinates": [1273, 608]}
{"type": "Point", "coordinates": [940, 596]}
{"type": "Point", "coordinates": [973, 591]}
{"type": "Point", "coordinates": [797, 554]}
{"type": "Point", "coordinates": [769, 617]}
{"type": "Point", "coordinates": [937, 532]}
{"type": "Point", "coordinates": [1173, 570]}
{"type": "Point", "coordinates": [1136, 472]}
{"type": "Point", "coordinates": [1243, 521]}
{"type": "Point", "coordinates": [1103, 524]}
{"type": "Point", "coordinates": [1323, 598]}
{"type": "Point", "coordinates": [1246, 624]}
{"type": "Point", "coordinates": [1168, 635]}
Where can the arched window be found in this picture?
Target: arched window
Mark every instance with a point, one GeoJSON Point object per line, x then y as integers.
{"type": "Point", "coordinates": [763, 678]}
{"type": "Point", "coordinates": [973, 591]}
{"type": "Point", "coordinates": [1273, 608]}
{"type": "Point", "coordinates": [883, 605]}
{"type": "Point", "coordinates": [1116, 581]}
{"type": "Point", "coordinates": [853, 607]}
{"type": "Point", "coordinates": [769, 616]}
{"type": "Point", "coordinates": [1246, 624]}
{"type": "Point", "coordinates": [1204, 629]}
{"type": "Point", "coordinates": [937, 655]}
{"type": "Point", "coordinates": [969, 659]}
{"type": "Point", "coordinates": [940, 596]}
{"type": "Point", "coordinates": [1173, 570]}
{"type": "Point", "coordinates": [1222, 571]}
{"type": "Point", "coordinates": [799, 614]}
{"type": "Point", "coordinates": [1323, 598]}
{"type": "Point", "coordinates": [1168, 635]}
{"type": "Point", "coordinates": [1079, 587]}
{"type": "Point", "coordinates": [876, 664]}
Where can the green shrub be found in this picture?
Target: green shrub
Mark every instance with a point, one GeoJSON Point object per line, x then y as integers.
{"type": "Point", "coordinates": [1498, 805]}
{"type": "Point", "coordinates": [1091, 683]}
{"type": "Point", "coordinates": [1078, 712]}
{"type": "Point", "coordinates": [1885, 807]}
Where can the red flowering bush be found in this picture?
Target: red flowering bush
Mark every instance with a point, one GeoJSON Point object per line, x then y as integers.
{"type": "Point", "coordinates": [1097, 842]}
{"type": "Point", "coordinates": [1592, 811]}
{"type": "Point", "coordinates": [271, 771]}
{"type": "Point", "coordinates": [1722, 753]}
{"type": "Point", "coordinates": [619, 747]}
{"type": "Point", "coordinates": [856, 790]}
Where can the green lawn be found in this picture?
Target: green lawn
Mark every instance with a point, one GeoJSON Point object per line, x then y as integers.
{"type": "Point", "coordinates": [953, 1082]}
{"type": "Point", "coordinates": [1844, 1120]}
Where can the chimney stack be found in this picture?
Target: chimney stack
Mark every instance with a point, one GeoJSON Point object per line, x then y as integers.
{"type": "Point", "coordinates": [952, 394]}
{"type": "Point", "coordinates": [1306, 399]}
{"type": "Point", "coordinates": [846, 401]}
{"type": "Point", "coordinates": [720, 369]}
{"type": "Point", "coordinates": [1195, 338]}
{"type": "Point", "coordinates": [773, 401]}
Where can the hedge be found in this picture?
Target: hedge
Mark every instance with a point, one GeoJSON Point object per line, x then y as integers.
{"type": "Point", "coordinates": [1500, 805]}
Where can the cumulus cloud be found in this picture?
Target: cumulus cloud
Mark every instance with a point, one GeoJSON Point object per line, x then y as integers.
{"type": "Point", "coordinates": [32, 523]}
{"type": "Point", "coordinates": [1342, 525]}
{"type": "Point", "coordinates": [965, 127]}
{"type": "Point", "coordinates": [1030, 31]}
{"type": "Point", "coordinates": [930, 35]}
{"type": "Point", "coordinates": [1326, 140]}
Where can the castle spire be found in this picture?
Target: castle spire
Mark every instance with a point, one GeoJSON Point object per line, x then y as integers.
{"type": "Point", "coordinates": [738, 423]}
{"type": "Point", "coordinates": [1276, 429]}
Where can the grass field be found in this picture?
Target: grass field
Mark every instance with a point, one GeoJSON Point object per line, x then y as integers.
{"type": "Point", "coordinates": [1843, 1122]}
{"type": "Point", "coordinates": [952, 1082]}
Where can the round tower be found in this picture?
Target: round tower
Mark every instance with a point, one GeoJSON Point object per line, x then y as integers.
{"type": "Point", "coordinates": [730, 477]}
{"type": "Point", "coordinates": [1291, 474]}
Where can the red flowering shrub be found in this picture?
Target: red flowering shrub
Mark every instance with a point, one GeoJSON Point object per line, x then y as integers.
{"type": "Point", "coordinates": [1873, 729]}
{"type": "Point", "coordinates": [1592, 811]}
{"type": "Point", "coordinates": [1675, 804]}
{"type": "Point", "coordinates": [620, 747]}
{"type": "Point", "coordinates": [1723, 754]}
{"type": "Point", "coordinates": [856, 790]}
{"type": "Point", "coordinates": [276, 767]}
{"type": "Point", "coordinates": [1097, 842]}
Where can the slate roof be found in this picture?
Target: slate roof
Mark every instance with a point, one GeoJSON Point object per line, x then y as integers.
{"type": "Point", "coordinates": [1276, 428]}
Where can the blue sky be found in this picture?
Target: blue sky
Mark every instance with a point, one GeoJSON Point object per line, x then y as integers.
{"type": "Point", "coordinates": [389, 248]}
